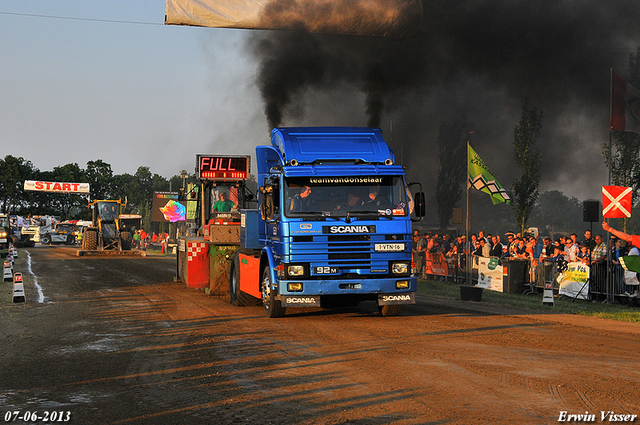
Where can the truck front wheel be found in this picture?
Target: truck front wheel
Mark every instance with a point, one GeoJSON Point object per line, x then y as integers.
{"type": "Point", "coordinates": [46, 239]}
{"type": "Point", "coordinates": [389, 310]}
{"type": "Point", "coordinates": [272, 307]}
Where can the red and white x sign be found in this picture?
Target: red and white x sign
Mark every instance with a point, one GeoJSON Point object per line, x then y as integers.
{"type": "Point", "coordinates": [616, 201]}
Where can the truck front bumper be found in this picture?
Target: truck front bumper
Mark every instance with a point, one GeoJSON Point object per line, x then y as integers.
{"type": "Point", "coordinates": [387, 291]}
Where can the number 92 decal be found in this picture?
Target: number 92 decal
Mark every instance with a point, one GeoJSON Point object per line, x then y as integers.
{"type": "Point", "coordinates": [326, 270]}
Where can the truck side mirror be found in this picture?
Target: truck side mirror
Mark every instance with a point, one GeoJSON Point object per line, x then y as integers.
{"type": "Point", "coordinates": [266, 203]}
{"type": "Point", "coordinates": [420, 204]}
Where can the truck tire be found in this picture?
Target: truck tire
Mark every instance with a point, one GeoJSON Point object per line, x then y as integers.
{"type": "Point", "coordinates": [46, 239]}
{"type": "Point", "coordinates": [272, 307]}
{"type": "Point", "coordinates": [90, 240]}
{"type": "Point", "coordinates": [71, 239]}
{"type": "Point", "coordinates": [389, 310]}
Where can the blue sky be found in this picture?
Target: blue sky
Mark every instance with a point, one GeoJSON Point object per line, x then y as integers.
{"type": "Point", "coordinates": [85, 80]}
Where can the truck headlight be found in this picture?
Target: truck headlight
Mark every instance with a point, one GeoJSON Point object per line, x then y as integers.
{"type": "Point", "coordinates": [295, 270]}
{"type": "Point", "coordinates": [3, 234]}
{"type": "Point", "coordinates": [400, 268]}
{"type": "Point", "coordinates": [402, 284]}
{"type": "Point", "coordinates": [294, 287]}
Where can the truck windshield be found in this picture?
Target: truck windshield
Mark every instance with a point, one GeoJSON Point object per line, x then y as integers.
{"type": "Point", "coordinates": [342, 196]}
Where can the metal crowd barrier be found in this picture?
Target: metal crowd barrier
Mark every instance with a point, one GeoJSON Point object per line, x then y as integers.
{"type": "Point", "coordinates": [548, 271]}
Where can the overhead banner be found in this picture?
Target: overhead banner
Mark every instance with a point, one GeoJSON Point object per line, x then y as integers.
{"type": "Point", "coordinates": [359, 17]}
{"type": "Point", "coordinates": [40, 186]}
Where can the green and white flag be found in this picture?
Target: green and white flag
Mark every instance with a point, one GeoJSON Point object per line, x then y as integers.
{"type": "Point", "coordinates": [481, 178]}
{"type": "Point", "coordinates": [631, 263]}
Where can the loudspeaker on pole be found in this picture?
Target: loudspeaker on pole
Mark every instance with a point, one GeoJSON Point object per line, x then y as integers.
{"type": "Point", "coordinates": [591, 211]}
{"type": "Point", "coordinates": [457, 216]}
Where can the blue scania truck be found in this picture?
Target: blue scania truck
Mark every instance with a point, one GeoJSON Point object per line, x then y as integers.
{"type": "Point", "coordinates": [332, 227]}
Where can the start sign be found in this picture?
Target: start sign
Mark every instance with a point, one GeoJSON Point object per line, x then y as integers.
{"type": "Point", "coordinates": [40, 186]}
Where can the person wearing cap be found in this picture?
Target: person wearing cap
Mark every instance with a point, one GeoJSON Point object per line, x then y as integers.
{"type": "Point", "coordinates": [505, 252]}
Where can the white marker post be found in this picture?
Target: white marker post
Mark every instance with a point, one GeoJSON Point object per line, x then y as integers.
{"type": "Point", "coordinates": [547, 295]}
{"type": "Point", "coordinates": [7, 270]}
{"type": "Point", "coordinates": [18, 288]}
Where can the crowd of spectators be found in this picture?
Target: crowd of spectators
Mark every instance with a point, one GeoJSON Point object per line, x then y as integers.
{"type": "Point", "coordinates": [589, 250]}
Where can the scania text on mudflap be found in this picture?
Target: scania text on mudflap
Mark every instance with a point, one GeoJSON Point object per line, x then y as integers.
{"type": "Point", "coordinates": [332, 227]}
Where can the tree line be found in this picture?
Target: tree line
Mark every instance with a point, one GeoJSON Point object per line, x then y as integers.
{"type": "Point", "coordinates": [136, 188]}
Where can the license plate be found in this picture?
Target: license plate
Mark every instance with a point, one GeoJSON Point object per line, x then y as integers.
{"type": "Point", "coordinates": [387, 247]}
{"type": "Point", "coordinates": [326, 270]}
{"type": "Point", "coordinates": [3, 241]}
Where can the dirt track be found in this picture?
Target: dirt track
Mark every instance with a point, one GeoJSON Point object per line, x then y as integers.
{"type": "Point", "coordinates": [117, 341]}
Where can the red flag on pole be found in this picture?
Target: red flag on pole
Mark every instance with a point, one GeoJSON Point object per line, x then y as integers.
{"type": "Point", "coordinates": [616, 201]}
{"type": "Point", "coordinates": [625, 106]}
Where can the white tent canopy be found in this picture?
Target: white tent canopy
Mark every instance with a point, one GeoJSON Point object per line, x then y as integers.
{"type": "Point", "coordinates": [360, 17]}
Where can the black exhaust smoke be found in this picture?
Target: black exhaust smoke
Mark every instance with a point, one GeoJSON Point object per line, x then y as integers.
{"type": "Point", "coordinates": [473, 57]}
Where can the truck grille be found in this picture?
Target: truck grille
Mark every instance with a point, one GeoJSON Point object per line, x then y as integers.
{"type": "Point", "coordinates": [351, 251]}
{"type": "Point", "coordinates": [350, 256]}
{"type": "Point", "coordinates": [347, 238]}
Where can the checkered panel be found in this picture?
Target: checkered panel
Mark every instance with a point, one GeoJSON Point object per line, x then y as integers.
{"type": "Point", "coordinates": [195, 248]}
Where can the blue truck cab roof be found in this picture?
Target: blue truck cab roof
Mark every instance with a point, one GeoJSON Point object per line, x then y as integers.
{"type": "Point", "coordinates": [308, 145]}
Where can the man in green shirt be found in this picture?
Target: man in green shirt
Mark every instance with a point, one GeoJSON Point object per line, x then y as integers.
{"type": "Point", "coordinates": [224, 204]}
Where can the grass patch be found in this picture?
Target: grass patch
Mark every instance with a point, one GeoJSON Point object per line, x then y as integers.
{"type": "Point", "coordinates": [613, 311]}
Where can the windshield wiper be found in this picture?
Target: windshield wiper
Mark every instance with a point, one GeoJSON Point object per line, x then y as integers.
{"type": "Point", "coordinates": [315, 215]}
{"type": "Point", "coordinates": [364, 214]}
{"type": "Point", "coordinates": [307, 215]}
{"type": "Point", "coordinates": [371, 214]}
